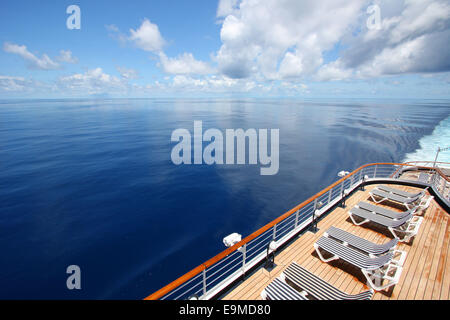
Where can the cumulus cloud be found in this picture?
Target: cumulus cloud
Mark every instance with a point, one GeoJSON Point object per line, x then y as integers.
{"type": "Point", "coordinates": [43, 63]}
{"type": "Point", "coordinates": [281, 39]}
{"type": "Point", "coordinates": [128, 73]}
{"type": "Point", "coordinates": [21, 85]}
{"type": "Point", "coordinates": [184, 64]}
{"type": "Point", "coordinates": [93, 81]}
{"type": "Point", "coordinates": [147, 37]}
{"type": "Point", "coordinates": [412, 38]}
{"type": "Point", "coordinates": [227, 7]}
{"type": "Point", "coordinates": [288, 39]}
{"type": "Point", "coordinates": [67, 57]}
{"type": "Point", "coordinates": [8, 83]}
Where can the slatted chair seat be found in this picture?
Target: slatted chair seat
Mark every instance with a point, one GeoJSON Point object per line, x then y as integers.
{"type": "Point", "coordinates": [393, 196]}
{"type": "Point", "coordinates": [385, 212]}
{"type": "Point", "coordinates": [401, 192]}
{"type": "Point", "coordinates": [279, 290]}
{"type": "Point", "coordinates": [360, 243]}
{"type": "Point", "coordinates": [318, 288]}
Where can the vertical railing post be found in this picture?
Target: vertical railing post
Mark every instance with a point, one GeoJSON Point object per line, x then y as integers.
{"type": "Point", "coordinates": [274, 236]}
{"type": "Point", "coordinates": [329, 195]}
{"type": "Point", "coordinates": [244, 256]}
{"type": "Point", "coordinates": [375, 171]}
{"type": "Point", "coordinates": [342, 194]}
{"type": "Point", "coordinates": [204, 281]}
{"type": "Point", "coordinates": [313, 228]}
{"type": "Point", "coordinates": [296, 218]}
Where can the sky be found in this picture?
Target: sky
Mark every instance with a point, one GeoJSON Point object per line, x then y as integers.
{"type": "Point", "coordinates": [226, 48]}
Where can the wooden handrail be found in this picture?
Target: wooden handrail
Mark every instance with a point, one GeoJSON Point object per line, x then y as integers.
{"type": "Point", "coordinates": [194, 272]}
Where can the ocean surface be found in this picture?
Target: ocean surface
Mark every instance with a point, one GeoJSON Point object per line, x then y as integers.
{"type": "Point", "coordinates": [91, 182]}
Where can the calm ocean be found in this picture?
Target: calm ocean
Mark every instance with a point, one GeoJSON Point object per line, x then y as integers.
{"type": "Point", "coordinates": [91, 182]}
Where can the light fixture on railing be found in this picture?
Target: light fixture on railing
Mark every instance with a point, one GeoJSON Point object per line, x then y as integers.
{"type": "Point", "coordinates": [316, 214]}
{"type": "Point", "coordinates": [232, 239]}
{"type": "Point", "coordinates": [270, 263]}
{"type": "Point", "coordinates": [343, 173]}
{"type": "Point", "coordinates": [194, 297]}
{"type": "Point", "coordinates": [345, 193]}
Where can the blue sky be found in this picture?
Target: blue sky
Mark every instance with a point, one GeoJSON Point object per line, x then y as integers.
{"type": "Point", "coordinates": [225, 48]}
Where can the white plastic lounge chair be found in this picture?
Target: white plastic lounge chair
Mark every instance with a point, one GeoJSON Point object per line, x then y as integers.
{"type": "Point", "coordinates": [280, 290]}
{"type": "Point", "coordinates": [314, 286]}
{"type": "Point", "coordinates": [417, 201]}
{"type": "Point", "coordinates": [401, 192]}
{"type": "Point", "coordinates": [402, 229]}
{"type": "Point", "coordinates": [370, 248]}
{"type": "Point", "coordinates": [385, 212]}
{"type": "Point", "coordinates": [375, 269]}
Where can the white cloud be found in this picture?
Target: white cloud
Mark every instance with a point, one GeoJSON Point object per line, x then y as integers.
{"type": "Point", "coordinates": [128, 73]}
{"type": "Point", "coordinates": [21, 85]}
{"type": "Point", "coordinates": [413, 38]}
{"type": "Point", "coordinates": [147, 37]}
{"type": "Point", "coordinates": [333, 72]}
{"type": "Point", "coordinates": [226, 7]}
{"type": "Point", "coordinates": [66, 56]}
{"type": "Point", "coordinates": [43, 63]}
{"type": "Point", "coordinates": [93, 81]}
{"type": "Point", "coordinates": [184, 64]}
{"type": "Point", "coordinates": [279, 39]}
{"type": "Point", "coordinates": [289, 39]}
{"type": "Point", "coordinates": [8, 83]}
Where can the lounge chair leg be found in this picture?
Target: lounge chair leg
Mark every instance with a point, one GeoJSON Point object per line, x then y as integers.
{"type": "Point", "coordinates": [375, 277]}
{"type": "Point", "coordinates": [374, 280]}
{"type": "Point", "coordinates": [374, 200]}
{"type": "Point", "coordinates": [334, 257]}
{"type": "Point", "coordinates": [357, 223]}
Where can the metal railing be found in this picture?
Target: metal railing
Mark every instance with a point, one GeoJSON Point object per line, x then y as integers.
{"type": "Point", "coordinates": [429, 164]}
{"type": "Point", "coordinates": [216, 274]}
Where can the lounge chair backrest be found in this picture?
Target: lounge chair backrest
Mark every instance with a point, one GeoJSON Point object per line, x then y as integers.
{"type": "Point", "coordinates": [317, 287]}
{"type": "Point", "coordinates": [394, 197]}
{"type": "Point", "coordinates": [385, 212]}
{"type": "Point", "coordinates": [380, 219]}
{"type": "Point", "coordinates": [400, 192]}
{"type": "Point", "coordinates": [279, 290]}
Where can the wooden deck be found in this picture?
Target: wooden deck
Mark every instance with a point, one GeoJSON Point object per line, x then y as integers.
{"type": "Point", "coordinates": [426, 271]}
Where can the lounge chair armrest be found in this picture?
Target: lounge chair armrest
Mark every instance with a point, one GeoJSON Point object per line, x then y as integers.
{"type": "Point", "coordinates": [399, 257]}
{"type": "Point", "coordinates": [390, 272]}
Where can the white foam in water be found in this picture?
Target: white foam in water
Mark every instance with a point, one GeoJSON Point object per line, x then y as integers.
{"type": "Point", "coordinates": [429, 144]}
